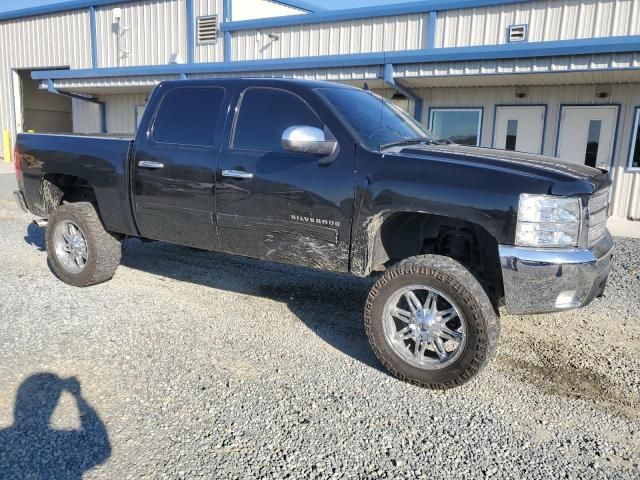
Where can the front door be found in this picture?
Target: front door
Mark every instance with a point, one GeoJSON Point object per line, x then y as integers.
{"type": "Point", "coordinates": [519, 128]}
{"type": "Point", "coordinates": [587, 134]}
{"type": "Point", "coordinates": [174, 167]}
{"type": "Point", "coordinates": [276, 204]}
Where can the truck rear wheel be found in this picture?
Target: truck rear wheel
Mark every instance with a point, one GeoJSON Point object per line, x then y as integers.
{"type": "Point", "coordinates": [80, 251]}
{"type": "Point", "coordinates": [431, 323]}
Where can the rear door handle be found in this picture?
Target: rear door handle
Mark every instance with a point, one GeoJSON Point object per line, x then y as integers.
{"type": "Point", "coordinates": [236, 174]}
{"type": "Point", "coordinates": [150, 164]}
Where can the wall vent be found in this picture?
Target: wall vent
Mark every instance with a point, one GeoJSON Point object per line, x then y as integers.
{"type": "Point", "coordinates": [207, 28]}
{"type": "Point", "coordinates": [517, 33]}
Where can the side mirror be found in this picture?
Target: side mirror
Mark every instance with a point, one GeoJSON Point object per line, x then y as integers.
{"type": "Point", "coordinates": [307, 139]}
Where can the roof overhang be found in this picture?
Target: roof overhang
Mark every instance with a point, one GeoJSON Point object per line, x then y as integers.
{"type": "Point", "coordinates": [589, 46]}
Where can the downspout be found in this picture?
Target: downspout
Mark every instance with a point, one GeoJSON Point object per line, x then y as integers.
{"type": "Point", "coordinates": [103, 108]}
{"type": "Point", "coordinates": [226, 17]}
{"type": "Point", "coordinates": [416, 99]}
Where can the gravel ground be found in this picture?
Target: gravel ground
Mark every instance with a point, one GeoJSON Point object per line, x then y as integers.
{"type": "Point", "coordinates": [193, 364]}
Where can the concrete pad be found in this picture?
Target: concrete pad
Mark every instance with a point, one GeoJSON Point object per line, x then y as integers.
{"type": "Point", "coordinates": [621, 227]}
{"type": "Point", "coordinates": [6, 167]}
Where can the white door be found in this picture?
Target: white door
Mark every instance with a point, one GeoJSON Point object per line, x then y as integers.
{"type": "Point", "coordinates": [519, 128]}
{"type": "Point", "coordinates": [586, 134]}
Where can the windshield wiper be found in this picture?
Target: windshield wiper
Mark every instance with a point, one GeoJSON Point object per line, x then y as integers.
{"type": "Point", "coordinates": [406, 141]}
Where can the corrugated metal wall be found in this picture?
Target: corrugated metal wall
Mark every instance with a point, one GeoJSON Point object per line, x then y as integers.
{"type": "Point", "coordinates": [60, 40]}
{"type": "Point", "coordinates": [150, 32]}
{"type": "Point", "coordinates": [121, 111]}
{"type": "Point", "coordinates": [85, 116]}
{"type": "Point", "coordinates": [549, 20]}
{"type": "Point", "coordinates": [403, 32]}
{"type": "Point", "coordinates": [212, 52]}
{"type": "Point", "coordinates": [627, 184]}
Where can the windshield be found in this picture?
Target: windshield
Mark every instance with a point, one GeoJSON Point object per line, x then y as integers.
{"type": "Point", "coordinates": [376, 122]}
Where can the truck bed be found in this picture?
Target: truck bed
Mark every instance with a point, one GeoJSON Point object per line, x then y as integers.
{"type": "Point", "coordinates": [100, 160]}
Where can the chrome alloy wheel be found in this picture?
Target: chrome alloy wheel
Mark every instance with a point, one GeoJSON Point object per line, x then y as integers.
{"type": "Point", "coordinates": [424, 327]}
{"type": "Point", "coordinates": [70, 246]}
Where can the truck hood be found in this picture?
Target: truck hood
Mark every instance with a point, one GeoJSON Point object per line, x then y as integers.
{"type": "Point", "coordinates": [567, 178]}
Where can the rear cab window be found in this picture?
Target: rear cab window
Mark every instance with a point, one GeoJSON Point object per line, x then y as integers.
{"type": "Point", "coordinates": [263, 116]}
{"type": "Point", "coordinates": [188, 116]}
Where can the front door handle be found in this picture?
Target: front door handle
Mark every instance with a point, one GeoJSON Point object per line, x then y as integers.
{"type": "Point", "coordinates": [150, 164]}
{"type": "Point", "coordinates": [236, 174]}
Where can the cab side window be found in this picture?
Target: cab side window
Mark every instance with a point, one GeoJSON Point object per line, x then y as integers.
{"type": "Point", "coordinates": [265, 113]}
{"type": "Point", "coordinates": [188, 116]}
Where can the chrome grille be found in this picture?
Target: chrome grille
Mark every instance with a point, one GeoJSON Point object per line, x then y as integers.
{"type": "Point", "coordinates": [598, 211]}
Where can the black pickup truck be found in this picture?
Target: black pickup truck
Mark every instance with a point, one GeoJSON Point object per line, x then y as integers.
{"type": "Point", "coordinates": [335, 178]}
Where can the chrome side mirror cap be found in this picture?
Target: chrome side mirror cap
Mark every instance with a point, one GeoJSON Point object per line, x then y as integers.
{"type": "Point", "coordinates": [307, 139]}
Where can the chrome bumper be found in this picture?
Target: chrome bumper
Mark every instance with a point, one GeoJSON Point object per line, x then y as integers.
{"type": "Point", "coordinates": [540, 280]}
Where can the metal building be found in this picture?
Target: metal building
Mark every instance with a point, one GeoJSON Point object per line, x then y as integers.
{"type": "Point", "coordinates": [559, 77]}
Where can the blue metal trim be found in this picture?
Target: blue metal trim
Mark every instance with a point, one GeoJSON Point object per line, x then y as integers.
{"type": "Point", "coordinates": [538, 49]}
{"type": "Point", "coordinates": [94, 40]}
{"type": "Point", "coordinates": [432, 29]}
{"type": "Point", "coordinates": [480, 127]}
{"type": "Point", "coordinates": [227, 11]}
{"type": "Point", "coordinates": [635, 124]}
{"type": "Point", "coordinates": [544, 120]}
{"type": "Point", "coordinates": [191, 32]}
{"type": "Point", "coordinates": [57, 8]}
{"type": "Point", "coordinates": [363, 12]}
{"type": "Point", "coordinates": [226, 15]}
{"type": "Point", "coordinates": [102, 106]}
{"type": "Point", "coordinates": [615, 132]}
{"type": "Point", "coordinates": [391, 81]}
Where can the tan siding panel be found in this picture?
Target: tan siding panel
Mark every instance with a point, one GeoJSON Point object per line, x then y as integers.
{"type": "Point", "coordinates": [51, 41]}
{"type": "Point", "coordinates": [548, 20]}
{"type": "Point", "coordinates": [403, 32]}
{"type": "Point", "coordinates": [150, 32]}
{"type": "Point", "coordinates": [213, 52]}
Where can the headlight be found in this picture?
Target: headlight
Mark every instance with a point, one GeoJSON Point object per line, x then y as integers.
{"type": "Point", "coordinates": [548, 221]}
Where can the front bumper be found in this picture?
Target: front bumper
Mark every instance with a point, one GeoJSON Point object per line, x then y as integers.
{"type": "Point", "coordinates": [540, 280]}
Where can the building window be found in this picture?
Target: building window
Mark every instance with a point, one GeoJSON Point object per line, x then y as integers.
{"type": "Point", "coordinates": [593, 142]}
{"type": "Point", "coordinates": [512, 135]}
{"type": "Point", "coordinates": [460, 125]}
{"type": "Point", "coordinates": [634, 153]}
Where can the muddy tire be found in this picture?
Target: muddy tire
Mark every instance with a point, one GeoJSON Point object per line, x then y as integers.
{"type": "Point", "coordinates": [431, 323]}
{"type": "Point", "coordinates": [80, 251]}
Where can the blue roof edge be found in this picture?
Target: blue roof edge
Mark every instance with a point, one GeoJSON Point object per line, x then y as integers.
{"type": "Point", "coordinates": [485, 52]}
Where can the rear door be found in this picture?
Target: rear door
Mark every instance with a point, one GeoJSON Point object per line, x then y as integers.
{"type": "Point", "coordinates": [175, 164]}
{"type": "Point", "coordinates": [281, 205]}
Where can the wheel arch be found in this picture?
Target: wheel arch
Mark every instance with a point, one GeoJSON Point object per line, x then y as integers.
{"type": "Point", "coordinates": [56, 188]}
{"type": "Point", "coordinates": [392, 236]}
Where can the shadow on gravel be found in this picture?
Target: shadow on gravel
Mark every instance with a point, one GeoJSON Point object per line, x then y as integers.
{"type": "Point", "coordinates": [35, 237]}
{"type": "Point", "coordinates": [30, 448]}
{"type": "Point", "coordinates": [329, 304]}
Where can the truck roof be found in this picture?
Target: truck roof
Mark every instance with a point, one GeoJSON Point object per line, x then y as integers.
{"type": "Point", "coordinates": [257, 81]}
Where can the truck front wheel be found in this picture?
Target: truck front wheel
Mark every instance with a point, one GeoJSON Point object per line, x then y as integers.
{"type": "Point", "coordinates": [80, 251]}
{"type": "Point", "coordinates": [431, 323]}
